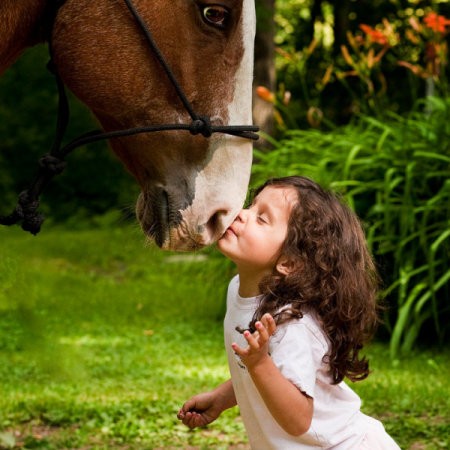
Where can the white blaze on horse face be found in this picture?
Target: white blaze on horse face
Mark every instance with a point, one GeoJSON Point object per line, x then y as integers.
{"type": "Point", "coordinates": [221, 185]}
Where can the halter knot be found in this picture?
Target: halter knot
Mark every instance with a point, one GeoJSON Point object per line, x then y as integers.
{"type": "Point", "coordinates": [26, 210]}
{"type": "Point", "coordinates": [52, 164]}
{"type": "Point", "coordinates": [201, 125]}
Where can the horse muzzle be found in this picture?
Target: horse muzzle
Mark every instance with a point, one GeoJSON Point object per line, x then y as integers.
{"type": "Point", "coordinates": [176, 222]}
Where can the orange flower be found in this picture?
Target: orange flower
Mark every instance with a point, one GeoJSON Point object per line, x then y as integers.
{"type": "Point", "coordinates": [436, 23]}
{"type": "Point", "coordinates": [374, 35]}
{"type": "Point", "coordinates": [265, 94]}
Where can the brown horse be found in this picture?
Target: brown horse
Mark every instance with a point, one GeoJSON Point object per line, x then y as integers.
{"type": "Point", "coordinates": [192, 187]}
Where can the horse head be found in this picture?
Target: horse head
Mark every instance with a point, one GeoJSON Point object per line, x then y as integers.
{"type": "Point", "coordinates": [192, 187]}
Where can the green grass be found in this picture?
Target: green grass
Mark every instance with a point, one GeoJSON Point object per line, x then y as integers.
{"type": "Point", "coordinates": [102, 338]}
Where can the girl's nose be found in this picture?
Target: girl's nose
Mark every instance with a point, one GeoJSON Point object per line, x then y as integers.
{"type": "Point", "coordinates": [241, 217]}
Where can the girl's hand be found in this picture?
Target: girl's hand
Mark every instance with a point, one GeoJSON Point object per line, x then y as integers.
{"type": "Point", "coordinates": [202, 409]}
{"type": "Point", "coordinates": [199, 410]}
{"type": "Point", "coordinates": [258, 342]}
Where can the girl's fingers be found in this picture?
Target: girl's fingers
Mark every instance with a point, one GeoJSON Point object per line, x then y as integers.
{"type": "Point", "coordinates": [252, 339]}
{"type": "Point", "coordinates": [262, 331]}
{"type": "Point", "coordinates": [269, 323]}
{"type": "Point", "coordinates": [192, 420]}
{"type": "Point", "coordinates": [238, 350]}
{"type": "Point", "coordinates": [190, 404]}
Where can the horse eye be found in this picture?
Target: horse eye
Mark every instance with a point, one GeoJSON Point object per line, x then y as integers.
{"type": "Point", "coordinates": [215, 15]}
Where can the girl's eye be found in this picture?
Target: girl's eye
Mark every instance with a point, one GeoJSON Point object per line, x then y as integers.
{"type": "Point", "coordinates": [215, 15]}
{"type": "Point", "coordinates": [262, 219]}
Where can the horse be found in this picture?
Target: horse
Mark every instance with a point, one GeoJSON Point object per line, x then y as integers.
{"type": "Point", "coordinates": [192, 185]}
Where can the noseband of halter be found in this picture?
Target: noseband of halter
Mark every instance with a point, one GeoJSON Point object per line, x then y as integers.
{"type": "Point", "coordinates": [53, 163]}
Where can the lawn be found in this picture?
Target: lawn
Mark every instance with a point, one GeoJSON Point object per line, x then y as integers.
{"type": "Point", "coordinates": [102, 338]}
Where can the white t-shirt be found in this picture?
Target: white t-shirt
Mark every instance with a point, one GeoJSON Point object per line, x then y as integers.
{"type": "Point", "coordinates": [297, 349]}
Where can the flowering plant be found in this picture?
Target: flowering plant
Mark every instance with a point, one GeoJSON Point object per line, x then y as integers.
{"type": "Point", "coordinates": [364, 55]}
{"type": "Point", "coordinates": [297, 62]}
{"type": "Point", "coordinates": [429, 36]}
{"type": "Point", "coordinates": [427, 54]}
{"type": "Point", "coordinates": [368, 70]}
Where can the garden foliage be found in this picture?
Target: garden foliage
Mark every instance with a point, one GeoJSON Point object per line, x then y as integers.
{"type": "Point", "coordinates": [387, 60]}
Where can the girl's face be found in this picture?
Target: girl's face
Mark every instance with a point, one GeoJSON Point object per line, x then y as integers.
{"type": "Point", "coordinates": [253, 241]}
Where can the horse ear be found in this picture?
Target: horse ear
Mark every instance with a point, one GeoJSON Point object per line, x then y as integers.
{"type": "Point", "coordinates": [285, 265]}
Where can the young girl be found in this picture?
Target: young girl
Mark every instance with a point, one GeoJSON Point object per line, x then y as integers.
{"type": "Point", "coordinates": [298, 314]}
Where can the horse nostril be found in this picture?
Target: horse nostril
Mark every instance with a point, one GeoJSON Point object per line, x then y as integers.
{"type": "Point", "coordinates": [215, 224]}
{"type": "Point", "coordinates": [160, 206]}
{"type": "Point", "coordinates": [212, 222]}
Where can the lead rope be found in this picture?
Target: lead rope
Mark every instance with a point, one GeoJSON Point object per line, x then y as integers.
{"type": "Point", "coordinates": [53, 163]}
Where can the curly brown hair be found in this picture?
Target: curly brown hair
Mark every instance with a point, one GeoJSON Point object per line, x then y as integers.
{"type": "Point", "coordinates": [335, 276]}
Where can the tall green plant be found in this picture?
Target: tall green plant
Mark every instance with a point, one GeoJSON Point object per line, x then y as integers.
{"type": "Point", "coordinates": [396, 174]}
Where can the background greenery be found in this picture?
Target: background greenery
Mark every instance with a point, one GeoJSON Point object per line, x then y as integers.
{"type": "Point", "coordinates": [336, 58]}
{"type": "Point", "coordinates": [27, 125]}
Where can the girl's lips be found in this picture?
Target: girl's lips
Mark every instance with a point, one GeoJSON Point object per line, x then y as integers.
{"type": "Point", "coordinates": [229, 230]}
